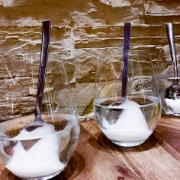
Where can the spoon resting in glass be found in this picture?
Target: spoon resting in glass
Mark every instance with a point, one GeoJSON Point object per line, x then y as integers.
{"type": "Point", "coordinates": [173, 91]}
{"type": "Point", "coordinates": [38, 122]}
{"type": "Point", "coordinates": [127, 28]}
{"type": "Point", "coordinates": [114, 115]}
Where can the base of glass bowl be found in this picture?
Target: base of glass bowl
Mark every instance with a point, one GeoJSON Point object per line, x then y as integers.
{"type": "Point", "coordinates": [127, 144]}
{"type": "Point", "coordinates": [43, 178]}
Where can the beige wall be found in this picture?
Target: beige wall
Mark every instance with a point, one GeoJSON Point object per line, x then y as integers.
{"type": "Point", "coordinates": [80, 28]}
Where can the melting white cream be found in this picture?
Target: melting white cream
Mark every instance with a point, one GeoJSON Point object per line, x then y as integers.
{"type": "Point", "coordinates": [173, 104]}
{"type": "Point", "coordinates": [131, 125]}
{"type": "Point", "coordinates": [41, 159]}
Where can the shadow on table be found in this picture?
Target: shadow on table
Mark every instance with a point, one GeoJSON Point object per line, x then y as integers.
{"type": "Point", "coordinates": [151, 142]}
{"type": "Point", "coordinates": [74, 168]}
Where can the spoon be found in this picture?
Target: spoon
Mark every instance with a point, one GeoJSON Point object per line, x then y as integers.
{"type": "Point", "coordinates": [127, 28]}
{"type": "Point", "coordinates": [173, 91]}
{"type": "Point", "coordinates": [113, 116]}
{"type": "Point", "coordinates": [38, 122]}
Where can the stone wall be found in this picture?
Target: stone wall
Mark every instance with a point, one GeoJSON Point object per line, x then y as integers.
{"type": "Point", "coordinates": [80, 29]}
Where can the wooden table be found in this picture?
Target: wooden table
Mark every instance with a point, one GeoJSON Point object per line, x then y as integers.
{"type": "Point", "coordinates": [96, 158]}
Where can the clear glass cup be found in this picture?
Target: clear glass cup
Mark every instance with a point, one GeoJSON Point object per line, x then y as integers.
{"type": "Point", "coordinates": [44, 152]}
{"type": "Point", "coordinates": [171, 107]}
{"type": "Point", "coordinates": [165, 77]}
{"type": "Point", "coordinates": [127, 121]}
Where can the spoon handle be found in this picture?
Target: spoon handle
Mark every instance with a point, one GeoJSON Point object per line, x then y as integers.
{"type": "Point", "coordinates": [171, 40]}
{"type": "Point", "coordinates": [127, 28]}
{"type": "Point", "coordinates": [42, 67]}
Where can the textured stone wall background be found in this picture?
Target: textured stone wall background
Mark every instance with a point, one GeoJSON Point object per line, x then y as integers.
{"type": "Point", "coordinates": [80, 29]}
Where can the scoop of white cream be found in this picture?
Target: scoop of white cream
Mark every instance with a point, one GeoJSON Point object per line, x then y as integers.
{"type": "Point", "coordinates": [39, 132]}
{"type": "Point", "coordinates": [173, 104]}
{"type": "Point", "coordinates": [130, 126]}
{"type": "Point", "coordinates": [41, 159]}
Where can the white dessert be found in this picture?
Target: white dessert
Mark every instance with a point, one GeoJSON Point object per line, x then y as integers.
{"type": "Point", "coordinates": [131, 125]}
{"type": "Point", "coordinates": [173, 104]}
{"type": "Point", "coordinates": [41, 159]}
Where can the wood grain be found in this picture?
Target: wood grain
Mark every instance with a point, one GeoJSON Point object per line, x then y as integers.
{"type": "Point", "coordinates": [96, 162]}
{"type": "Point", "coordinates": [158, 158]}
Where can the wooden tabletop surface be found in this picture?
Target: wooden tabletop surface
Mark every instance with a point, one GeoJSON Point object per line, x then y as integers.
{"type": "Point", "coordinates": [96, 158]}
